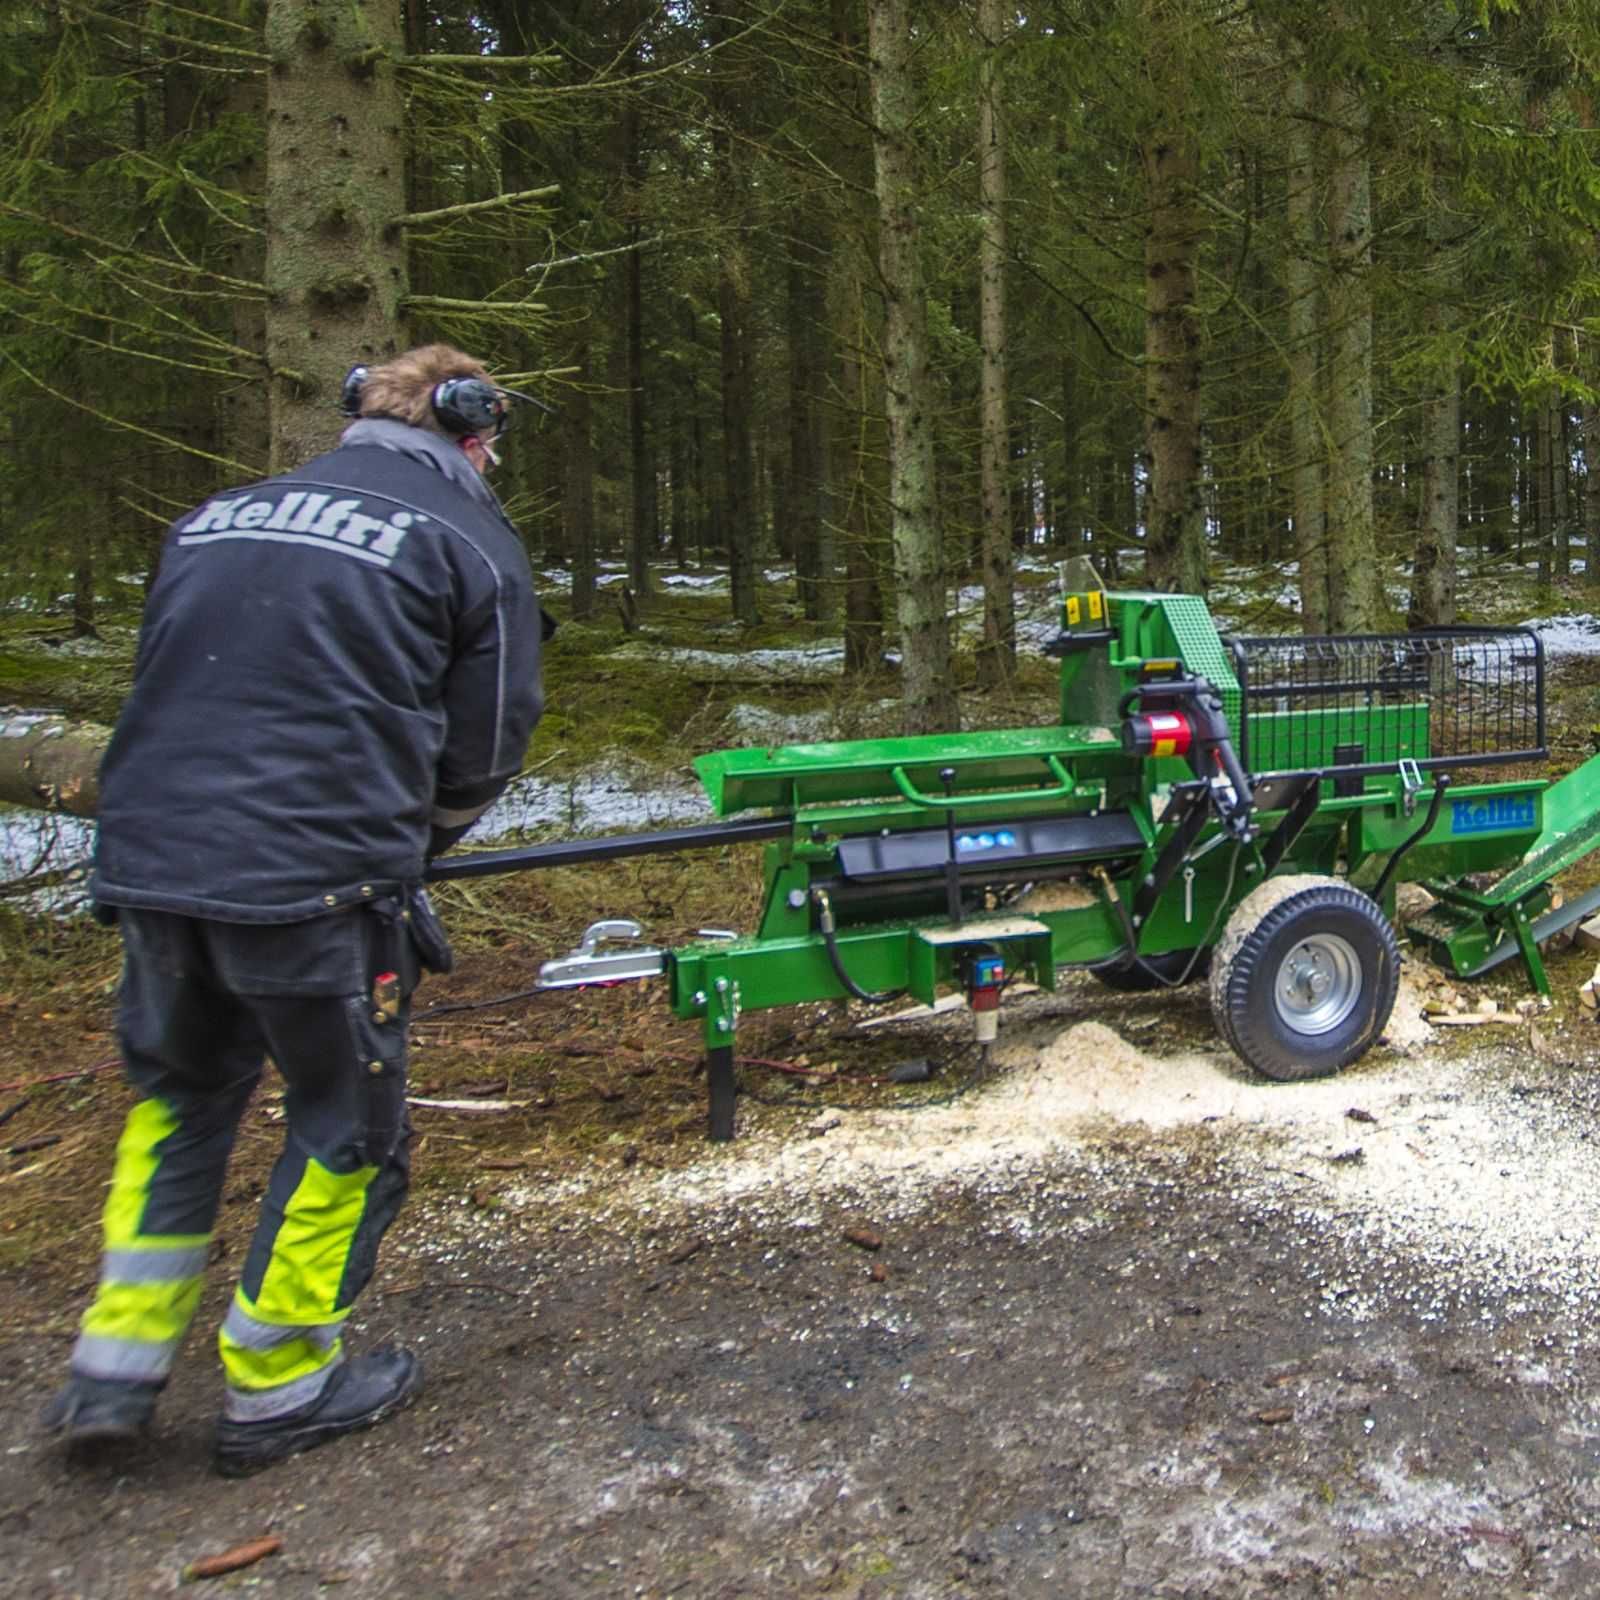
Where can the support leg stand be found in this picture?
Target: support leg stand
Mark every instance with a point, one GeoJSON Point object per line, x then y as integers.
{"type": "Point", "coordinates": [719, 1082]}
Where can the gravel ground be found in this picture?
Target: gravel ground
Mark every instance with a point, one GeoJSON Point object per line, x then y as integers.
{"type": "Point", "coordinates": [1118, 1321]}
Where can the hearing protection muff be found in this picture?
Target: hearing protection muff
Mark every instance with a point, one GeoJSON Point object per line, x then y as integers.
{"type": "Point", "coordinates": [460, 405]}
{"type": "Point", "coordinates": [470, 405]}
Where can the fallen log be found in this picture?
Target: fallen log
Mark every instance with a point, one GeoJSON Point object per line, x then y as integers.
{"type": "Point", "coordinates": [50, 763]}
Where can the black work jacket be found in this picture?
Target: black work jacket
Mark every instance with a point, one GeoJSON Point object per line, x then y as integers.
{"type": "Point", "coordinates": [333, 663]}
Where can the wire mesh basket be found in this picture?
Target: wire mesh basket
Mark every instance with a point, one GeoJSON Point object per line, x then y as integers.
{"type": "Point", "coordinates": [1440, 697]}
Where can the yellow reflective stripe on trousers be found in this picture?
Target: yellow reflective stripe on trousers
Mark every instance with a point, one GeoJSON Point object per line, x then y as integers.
{"type": "Point", "coordinates": [302, 1280]}
{"type": "Point", "coordinates": [289, 1332]}
{"type": "Point", "coordinates": [149, 1123]}
{"type": "Point", "coordinates": [149, 1284]}
{"type": "Point", "coordinates": [260, 1355]}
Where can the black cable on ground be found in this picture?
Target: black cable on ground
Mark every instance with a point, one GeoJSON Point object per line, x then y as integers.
{"type": "Point", "coordinates": [446, 1008]}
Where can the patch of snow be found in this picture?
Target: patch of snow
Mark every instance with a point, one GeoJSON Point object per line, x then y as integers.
{"type": "Point", "coordinates": [694, 580]}
{"type": "Point", "coordinates": [1575, 634]}
{"type": "Point", "coordinates": [824, 659]}
{"type": "Point", "coordinates": [607, 801]}
{"type": "Point", "coordinates": [760, 725]}
{"type": "Point", "coordinates": [37, 841]}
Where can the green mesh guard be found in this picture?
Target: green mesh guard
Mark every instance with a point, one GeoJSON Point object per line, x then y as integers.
{"type": "Point", "coordinates": [1196, 636]}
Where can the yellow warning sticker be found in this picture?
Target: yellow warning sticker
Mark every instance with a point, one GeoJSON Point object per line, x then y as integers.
{"type": "Point", "coordinates": [1074, 610]}
{"type": "Point", "coordinates": [1097, 605]}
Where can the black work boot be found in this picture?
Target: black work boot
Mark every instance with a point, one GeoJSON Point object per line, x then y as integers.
{"type": "Point", "coordinates": [100, 1410]}
{"type": "Point", "coordinates": [361, 1393]}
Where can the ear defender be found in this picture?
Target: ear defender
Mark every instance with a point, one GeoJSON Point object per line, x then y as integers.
{"type": "Point", "coordinates": [350, 391]}
{"type": "Point", "coordinates": [470, 405]}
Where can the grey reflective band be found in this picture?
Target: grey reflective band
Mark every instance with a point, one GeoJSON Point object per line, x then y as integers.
{"type": "Point", "coordinates": [257, 1405]}
{"type": "Point", "coordinates": [251, 1333]}
{"type": "Point", "coordinates": [442, 817]}
{"type": "Point", "coordinates": [138, 1360]}
{"type": "Point", "coordinates": [154, 1266]}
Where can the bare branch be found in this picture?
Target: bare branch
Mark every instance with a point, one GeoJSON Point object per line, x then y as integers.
{"type": "Point", "coordinates": [435, 302]}
{"type": "Point", "coordinates": [122, 422]}
{"type": "Point", "coordinates": [258, 289]}
{"type": "Point", "coordinates": [592, 255]}
{"type": "Point", "coordinates": [467, 208]}
{"type": "Point", "coordinates": [477, 61]}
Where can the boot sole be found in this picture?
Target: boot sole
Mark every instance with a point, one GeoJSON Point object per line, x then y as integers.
{"type": "Point", "coordinates": [243, 1464]}
{"type": "Point", "coordinates": [95, 1433]}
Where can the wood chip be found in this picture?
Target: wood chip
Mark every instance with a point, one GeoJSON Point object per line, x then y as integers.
{"type": "Point", "coordinates": [863, 1238]}
{"type": "Point", "coordinates": [1275, 1414]}
{"type": "Point", "coordinates": [241, 1555]}
{"type": "Point", "coordinates": [470, 1107]}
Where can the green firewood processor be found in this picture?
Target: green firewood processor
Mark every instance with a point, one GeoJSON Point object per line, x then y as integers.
{"type": "Point", "coordinates": [1208, 806]}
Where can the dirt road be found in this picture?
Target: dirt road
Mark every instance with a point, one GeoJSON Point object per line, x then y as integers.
{"type": "Point", "coordinates": [1134, 1325]}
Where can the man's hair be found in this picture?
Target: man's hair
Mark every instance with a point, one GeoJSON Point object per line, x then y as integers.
{"type": "Point", "coordinates": [403, 388]}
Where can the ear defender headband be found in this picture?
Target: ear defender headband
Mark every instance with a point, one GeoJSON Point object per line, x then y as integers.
{"type": "Point", "coordinates": [460, 405]}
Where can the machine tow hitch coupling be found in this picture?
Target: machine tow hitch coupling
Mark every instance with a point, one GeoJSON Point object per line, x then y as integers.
{"type": "Point", "coordinates": [590, 964]}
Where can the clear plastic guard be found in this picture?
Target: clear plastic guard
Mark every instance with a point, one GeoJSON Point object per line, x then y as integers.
{"type": "Point", "coordinates": [1079, 577]}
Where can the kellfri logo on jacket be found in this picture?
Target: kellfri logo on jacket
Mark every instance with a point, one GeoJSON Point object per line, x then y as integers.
{"type": "Point", "coordinates": [303, 517]}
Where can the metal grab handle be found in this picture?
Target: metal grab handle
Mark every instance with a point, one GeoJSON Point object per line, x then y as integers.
{"type": "Point", "coordinates": [1065, 785]}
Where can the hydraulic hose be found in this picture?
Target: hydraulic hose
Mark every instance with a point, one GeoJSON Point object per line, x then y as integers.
{"type": "Point", "coordinates": [826, 923]}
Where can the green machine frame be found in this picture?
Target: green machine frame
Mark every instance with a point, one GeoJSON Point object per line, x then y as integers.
{"type": "Point", "coordinates": [915, 865]}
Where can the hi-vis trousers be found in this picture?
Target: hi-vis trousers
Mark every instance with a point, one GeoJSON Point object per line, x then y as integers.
{"type": "Point", "coordinates": [202, 1005]}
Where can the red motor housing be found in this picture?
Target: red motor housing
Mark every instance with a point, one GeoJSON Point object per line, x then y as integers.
{"type": "Point", "coordinates": [1157, 733]}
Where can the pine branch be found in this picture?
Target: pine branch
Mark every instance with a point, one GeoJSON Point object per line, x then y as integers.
{"type": "Point", "coordinates": [215, 21]}
{"type": "Point", "coordinates": [509, 378]}
{"type": "Point", "coordinates": [174, 38]}
{"type": "Point", "coordinates": [592, 255]}
{"type": "Point", "coordinates": [131, 351]}
{"type": "Point", "coordinates": [477, 61]}
{"type": "Point", "coordinates": [122, 422]}
{"type": "Point", "coordinates": [416, 219]}
{"type": "Point", "coordinates": [255, 289]}
{"type": "Point", "coordinates": [434, 302]}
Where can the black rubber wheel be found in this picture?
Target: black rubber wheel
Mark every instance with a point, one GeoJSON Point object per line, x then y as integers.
{"type": "Point", "coordinates": [1170, 968]}
{"type": "Point", "coordinates": [1304, 977]}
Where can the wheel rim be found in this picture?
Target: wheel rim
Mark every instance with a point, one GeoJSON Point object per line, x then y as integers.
{"type": "Point", "coordinates": [1318, 984]}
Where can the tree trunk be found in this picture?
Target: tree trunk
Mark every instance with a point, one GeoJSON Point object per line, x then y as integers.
{"type": "Point", "coordinates": [641, 464]}
{"type": "Point", "coordinates": [738, 457]}
{"type": "Point", "coordinates": [928, 695]}
{"type": "Point", "coordinates": [1306, 444]}
{"type": "Point", "coordinates": [1589, 420]}
{"type": "Point", "coordinates": [1355, 589]}
{"type": "Point", "coordinates": [1544, 496]}
{"type": "Point", "coordinates": [335, 264]}
{"type": "Point", "coordinates": [1175, 553]}
{"type": "Point", "coordinates": [997, 655]}
{"type": "Point", "coordinates": [1433, 574]}
{"type": "Point", "coordinates": [1433, 581]}
{"type": "Point", "coordinates": [48, 764]}
{"type": "Point", "coordinates": [802, 507]}
{"type": "Point", "coordinates": [578, 487]}
{"type": "Point", "coordinates": [847, 475]}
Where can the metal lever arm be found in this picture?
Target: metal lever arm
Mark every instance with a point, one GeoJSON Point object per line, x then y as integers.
{"type": "Point", "coordinates": [1064, 786]}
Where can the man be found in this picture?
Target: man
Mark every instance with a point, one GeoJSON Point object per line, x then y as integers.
{"type": "Point", "coordinates": [338, 672]}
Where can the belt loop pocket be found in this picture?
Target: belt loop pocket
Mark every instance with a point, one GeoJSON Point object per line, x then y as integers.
{"type": "Point", "coordinates": [427, 932]}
